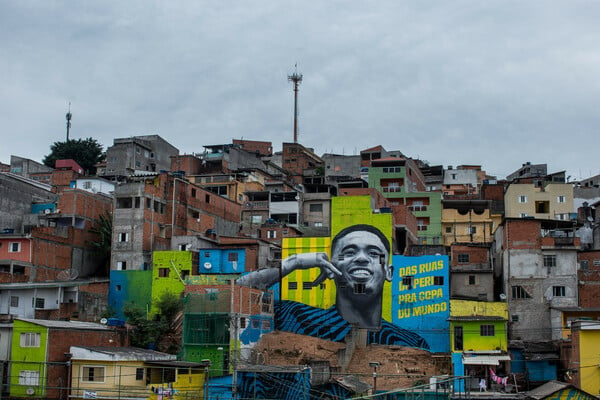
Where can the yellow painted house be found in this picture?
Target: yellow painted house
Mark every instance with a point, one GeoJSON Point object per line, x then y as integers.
{"type": "Point", "coordinates": [584, 363]}
{"type": "Point", "coordinates": [549, 201]}
{"type": "Point", "coordinates": [467, 221]}
{"type": "Point", "coordinates": [478, 338]}
{"type": "Point", "coordinates": [133, 373]}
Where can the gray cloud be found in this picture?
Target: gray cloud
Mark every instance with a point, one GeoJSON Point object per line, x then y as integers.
{"type": "Point", "coordinates": [494, 83]}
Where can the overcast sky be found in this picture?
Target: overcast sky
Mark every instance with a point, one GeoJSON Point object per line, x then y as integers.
{"type": "Point", "coordinates": [491, 83]}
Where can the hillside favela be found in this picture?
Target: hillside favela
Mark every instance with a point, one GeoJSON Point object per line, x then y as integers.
{"type": "Point", "coordinates": [262, 270]}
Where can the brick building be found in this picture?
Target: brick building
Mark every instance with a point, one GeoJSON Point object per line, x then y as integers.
{"type": "Point", "coordinates": [151, 209]}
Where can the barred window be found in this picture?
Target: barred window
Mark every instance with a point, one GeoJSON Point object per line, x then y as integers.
{"type": "Point", "coordinates": [486, 330]}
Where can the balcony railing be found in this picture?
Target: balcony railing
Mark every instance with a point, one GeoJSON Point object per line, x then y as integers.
{"type": "Point", "coordinates": [417, 208]}
{"type": "Point", "coordinates": [256, 205]}
{"type": "Point", "coordinates": [392, 189]}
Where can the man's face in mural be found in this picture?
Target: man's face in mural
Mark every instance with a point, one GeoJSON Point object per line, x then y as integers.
{"type": "Point", "coordinates": [362, 259]}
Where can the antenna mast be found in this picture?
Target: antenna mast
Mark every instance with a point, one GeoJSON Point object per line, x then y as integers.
{"type": "Point", "coordinates": [296, 78]}
{"type": "Point", "coordinates": [69, 116]}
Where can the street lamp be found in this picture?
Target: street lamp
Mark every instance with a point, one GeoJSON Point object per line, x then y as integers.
{"type": "Point", "coordinates": [374, 365]}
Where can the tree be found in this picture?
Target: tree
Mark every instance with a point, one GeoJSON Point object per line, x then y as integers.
{"type": "Point", "coordinates": [86, 152]}
{"type": "Point", "coordinates": [157, 333]}
{"type": "Point", "coordinates": [101, 247]}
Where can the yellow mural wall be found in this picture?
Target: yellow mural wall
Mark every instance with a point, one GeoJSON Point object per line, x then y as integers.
{"type": "Point", "coordinates": [346, 211]}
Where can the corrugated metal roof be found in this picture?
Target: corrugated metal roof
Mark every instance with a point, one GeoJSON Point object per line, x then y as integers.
{"type": "Point", "coordinates": [66, 324]}
{"type": "Point", "coordinates": [547, 389]}
{"type": "Point", "coordinates": [486, 359]}
{"type": "Point", "coordinates": [477, 318]}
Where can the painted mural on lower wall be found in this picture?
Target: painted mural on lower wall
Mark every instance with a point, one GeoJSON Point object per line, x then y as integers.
{"type": "Point", "coordinates": [329, 286]}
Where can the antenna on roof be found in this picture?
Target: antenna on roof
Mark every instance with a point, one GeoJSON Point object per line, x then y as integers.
{"type": "Point", "coordinates": [296, 78]}
{"type": "Point", "coordinates": [68, 117]}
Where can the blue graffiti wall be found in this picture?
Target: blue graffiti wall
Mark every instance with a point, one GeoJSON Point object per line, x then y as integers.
{"type": "Point", "coordinates": [129, 287]}
{"type": "Point", "coordinates": [421, 298]}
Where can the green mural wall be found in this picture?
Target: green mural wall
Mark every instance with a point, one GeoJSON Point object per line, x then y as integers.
{"type": "Point", "coordinates": [169, 272]}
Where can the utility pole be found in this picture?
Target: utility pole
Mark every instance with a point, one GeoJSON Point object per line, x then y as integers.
{"type": "Point", "coordinates": [69, 116]}
{"type": "Point", "coordinates": [296, 78]}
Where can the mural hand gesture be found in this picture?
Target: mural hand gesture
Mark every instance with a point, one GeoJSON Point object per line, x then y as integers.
{"type": "Point", "coordinates": [311, 260]}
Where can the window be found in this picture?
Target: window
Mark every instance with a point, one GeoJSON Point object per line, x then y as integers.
{"type": "Point", "coordinates": [271, 234]}
{"type": "Point", "coordinates": [523, 215]}
{"type": "Point", "coordinates": [542, 207]}
{"type": "Point", "coordinates": [124, 202]}
{"type": "Point", "coordinates": [472, 230]}
{"type": "Point", "coordinates": [121, 265]}
{"type": "Point", "coordinates": [448, 229]}
{"type": "Point", "coordinates": [463, 258]}
{"type": "Point", "coordinates": [316, 207]}
{"type": "Point", "coordinates": [408, 281]}
{"type": "Point", "coordinates": [183, 247]}
{"type": "Point", "coordinates": [561, 199]}
{"type": "Point", "coordinates": [242, 322]}
{"type": "Point", "coordinates": [193, 192]}
{"type": "Point", "coordinates": [163, 272]}
{"type": "Point", "coordinates": [87, 185]}
{"type": "Point", "coordinates": [14, 247]}
{"type": "Point", "coordinates": [123, 237]}
{"type": "Point", "coordinates": [292, 285]}
{"type": "Point", "coordinates": [232, 257]}
{"type": "Point", "coordinates": [472, 280]}
{"type": "Point", "coordinates": [597, 263]}
{"type": "Point", "coordinates": [486, 330]}
{"type": "Point", "coordinates": [514, 318]}
{"type": "Point", "coordinates": [458, 338]}
{"type": "Point", "coordinates": [139, 374]}
{"type": "Point", "coordinates": [92, 374]}
{"type": "Point", "coordinates": [29, 378]}
{"type": "Point", "coordinates": [522, 199]}
{"type": "Point", "coordinates": [38, 302]}
{"type": "Point", "coordinates": [584, 264]}
{"type": "Point", "coordinates": [549, 261]}
{"type": "Point", "coordinates": [307, 285]}
{"type": "Point", "coordinates": [14, 301]}
{"type": "Point", "coordinates": [30, 339]}
{"type": "Point", "coordinates": [558, 291]}
{"type": "Point", "coordinates": [389, 170]}
{"type": "Point", "coordinates": [256, 219]}
{"type": "Point", "coordinates": [518, 292]}
{"type": "Point", "coordinates": [438, 281]}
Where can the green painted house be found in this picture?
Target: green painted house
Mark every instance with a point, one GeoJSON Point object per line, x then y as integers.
{"type": "Point", "coordinates": [40, 353]}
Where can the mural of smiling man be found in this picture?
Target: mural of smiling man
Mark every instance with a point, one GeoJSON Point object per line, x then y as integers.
{"type": "Point", "coordinates": [359, 266]}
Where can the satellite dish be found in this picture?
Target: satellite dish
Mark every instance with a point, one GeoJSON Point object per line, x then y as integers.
{"type": "Point", "coordinates": [502, 296]}
{"type": "Point", "coordinates": [67, 275]}
{"type": "Point", "coordinates": [30, 391]}
{"type": "Point", "coordinates": [103, 321]}
{"type": "Point", "coordinates": [207, 265]}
